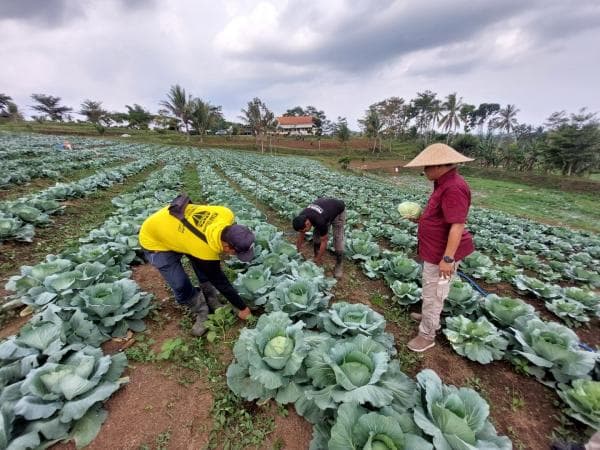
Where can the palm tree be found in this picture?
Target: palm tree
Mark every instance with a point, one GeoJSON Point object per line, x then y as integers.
{"type": "Point", "coordinates": [507, 119]}
{"type": "Point", "coordinates": [424, 105]}
{"type": "Point", "coordinates": [203, 115]}
{"type": "Point", "coordinates": [451, 119]}
{"type": "Point", "coordinates": [178, 103]}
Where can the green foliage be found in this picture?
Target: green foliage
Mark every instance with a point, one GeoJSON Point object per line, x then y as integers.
{"type": "Point", "coordinates": [218, 323]}
{"type": "Point", "coordinates": [477, 340]}
{"type": "Point", "coordinates": [455, 418]}
{"type": "Point", "coordinates": [583, 399]}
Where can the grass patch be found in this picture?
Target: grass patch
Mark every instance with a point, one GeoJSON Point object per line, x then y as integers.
{"type": "Point", "coordinates": [551, 206]}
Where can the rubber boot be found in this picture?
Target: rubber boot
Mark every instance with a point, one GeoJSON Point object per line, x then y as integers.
{"type": "Point", "coordinates": [210, 294]}
{"type": "Point", "coordinates": [338, 271]}
{"type": "Point", "coordinates": [199, 307]}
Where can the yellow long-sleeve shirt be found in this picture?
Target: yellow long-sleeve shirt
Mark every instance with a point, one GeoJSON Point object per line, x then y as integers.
{"type": "Point", "coordinates": [163, 232]}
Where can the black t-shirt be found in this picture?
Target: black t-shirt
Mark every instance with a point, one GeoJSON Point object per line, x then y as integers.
{"type": "Point", "coordinates": [321, 213]}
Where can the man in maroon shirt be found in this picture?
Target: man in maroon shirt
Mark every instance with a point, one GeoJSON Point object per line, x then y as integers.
{"type": "Point", "coordinates": [443, 239]}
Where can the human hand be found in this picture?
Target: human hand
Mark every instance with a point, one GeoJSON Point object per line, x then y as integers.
{"type": "Point", "coordinates": [446, 269]}
{"type": "Point", "coordinates": [245, 314]}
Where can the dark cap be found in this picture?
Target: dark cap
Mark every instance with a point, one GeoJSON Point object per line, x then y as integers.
{"type": "Point", "coordinates": [241, 238]}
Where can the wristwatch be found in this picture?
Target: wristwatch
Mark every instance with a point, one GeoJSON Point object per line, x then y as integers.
{"type": "Point", "coordinates": [448, 259]}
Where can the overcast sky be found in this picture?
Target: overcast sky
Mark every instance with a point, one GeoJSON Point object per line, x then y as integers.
{"type": "Point", "coordinates": [338, 55]}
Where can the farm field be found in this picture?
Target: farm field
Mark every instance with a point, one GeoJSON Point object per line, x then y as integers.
{"type": "Point", "coordinates": [106, 357]}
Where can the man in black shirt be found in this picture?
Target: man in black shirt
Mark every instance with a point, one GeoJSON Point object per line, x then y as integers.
{"type": "Point", "coordinates": [321, 214]}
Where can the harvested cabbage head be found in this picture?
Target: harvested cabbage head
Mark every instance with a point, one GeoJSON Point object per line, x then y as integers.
{"type": "Point", "coordinates": [409, 210]}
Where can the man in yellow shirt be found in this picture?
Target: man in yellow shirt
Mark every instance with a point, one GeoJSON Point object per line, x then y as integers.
{"type": "Point", "coordinates": [202, 233]}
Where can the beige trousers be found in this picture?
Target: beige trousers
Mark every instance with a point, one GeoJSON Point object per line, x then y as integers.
{"type": "Point", "coordinates": [435, 291]}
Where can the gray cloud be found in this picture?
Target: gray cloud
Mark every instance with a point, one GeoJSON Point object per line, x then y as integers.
{"type": "Point", "coordinates": [50, 13]}
{"type": "Point", "coordinates": [366, 38]}
{"type": "Point", "coordinates": [54, 13]}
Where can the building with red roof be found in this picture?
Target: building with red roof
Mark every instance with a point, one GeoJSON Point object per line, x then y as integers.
{"type": "Point", "coordinates": [296, 125]}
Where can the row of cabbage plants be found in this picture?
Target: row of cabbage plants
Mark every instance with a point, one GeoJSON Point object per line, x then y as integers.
{"type": "Point", "coordinates": [547, 350]}
{"type": "Point", "coordinates": [19, 217]}
{"type": "Point", "coordinates": [53, 375]}
{"type": "Point", "coordinates": [19, 145]}
{"type": "Point", "coordinates": [572, 304]}
{"type": "Point", "coordinates": [336, 363]}
{"type": "Point", "coordinates": [53, 164]}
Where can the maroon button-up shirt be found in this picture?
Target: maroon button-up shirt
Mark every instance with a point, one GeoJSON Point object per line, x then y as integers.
{"type": "Point", "coordinates": [449, 203]}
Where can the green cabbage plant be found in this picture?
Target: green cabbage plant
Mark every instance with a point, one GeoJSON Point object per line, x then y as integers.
{"type": "Point", "coordinates": [462, 299]}
{"type": "Point", "coordinates": [405, 293]}
{"type": "Point", "coordinates": [477, 340]}
{"type": "Point", "coordinates": [349, 319]}
{"type": "Point", "coordinates": [571, 311]}
{"type": "Point", "coordinates": [456, 418]}
{"type": "Point", "coordinates": [553, 349]}
{"type": "Point", "coordinates": [113, 307]}
{"type": "Point", "coordinates": [505, 310]}
{"type": "Point", "coordinates": [358, 428]}
{"type": "Point", "coordinates": [536, 287]}
{"type": "Point", "coordinates": [254, 285]}
{"type": "Point", "coordinates": [267, 359]}
{"type": "Point", "coordinates": [361, 249]}
{"type": "Point", "coordinates": [583, 398]}
{"type": "Point", "coordinates": [589, 299]}
{"type": "Point", "coordinates": [301, 299]}
{"type": "Point", "coordinates": [357, 370]}
{"type": "Point", "coordinates": [401, 267]}
{"type": "Point", "coordinates": [61, 398]}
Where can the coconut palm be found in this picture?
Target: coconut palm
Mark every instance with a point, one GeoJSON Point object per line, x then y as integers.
{"type": "Point", "coordinates": [204, 115]}
{"type": "Point", "coordinates": [507, 119]}
{"type": "Point", "coordinates": [178, 104]}
{"type": "Point", "coordinates": [451, 120]}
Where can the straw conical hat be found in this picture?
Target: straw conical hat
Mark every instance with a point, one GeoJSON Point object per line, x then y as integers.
{"type": "Point", "coordinates": [438, 154]}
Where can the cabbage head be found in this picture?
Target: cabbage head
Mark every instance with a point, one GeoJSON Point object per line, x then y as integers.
{"type": "Point", "coordinates": [61, 398]}
{"type": "Point", "coordinates": [113, 307]}
{"type": "Point", "coordinates": [571, 311]}
{"type": "Point", "coordinates": [356, 370]}
{"type": "Point", "coordinates": [409, 210]}
{"type": "Point", "coordinates": [505, 310]}
{"type": "Point", "coordinates": [462, 299]}
{"type": "Point", "coordinates": [552, 349]}
{"type": "Point", "coordinates": [406, 293]}
{"type": "Point", "coordinates": [254, 284]}
{"type": "Point", "coordinates": [267, 359]}
{"type": "Point", "coordinates": [358, 428]}
{"type": "Point", "coordinates": [583, 398]}
{"type": "Point", "coordinates": [349, 319]}
{"type": "Point", "coordinates": [456, 418]}
{"type": "Point", "coordinates": [477, 340]}
{"type": "Point", "coordinates": [301, 299]}
{"type": "Point", "coordinates": [400, 267]}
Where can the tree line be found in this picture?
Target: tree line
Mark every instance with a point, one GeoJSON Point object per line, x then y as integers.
{"type": "Point", "coordinates": [489, 132]}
